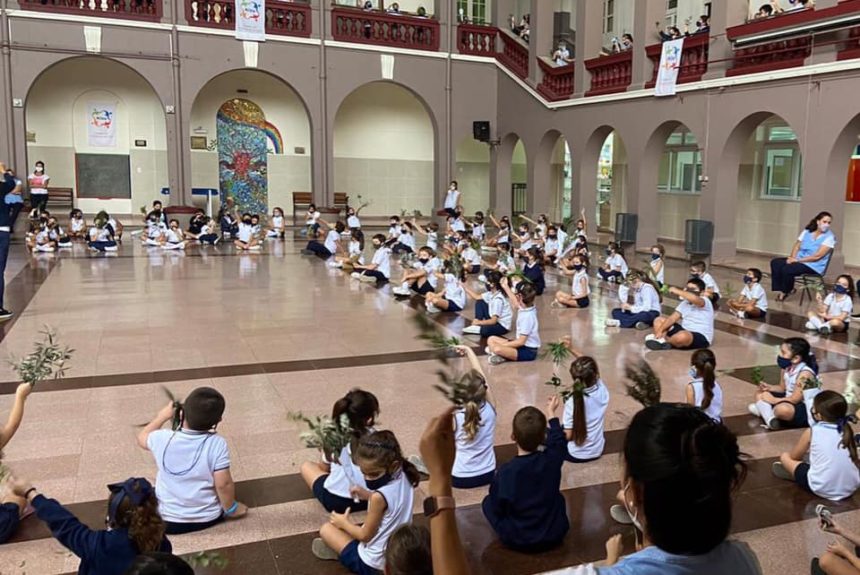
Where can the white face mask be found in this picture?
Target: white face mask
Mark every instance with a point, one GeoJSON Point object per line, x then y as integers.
{"type": "Point", "coordinates": [634, 513]}
{"type": "Point", "coordinates": [39, 169]}
{"type": "Point", "coordinates": [823, 227]}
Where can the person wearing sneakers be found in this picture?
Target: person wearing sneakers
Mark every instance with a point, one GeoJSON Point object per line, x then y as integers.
{"type": "Point", "coordinates": [834, 311]}
{"type": "Point", "coordinates": [527, 343]}
{"type": "Point", "coordinates": [753, 299]}
{"type": "Point", "coordinates": [690, 326]}
{"type": "Point", "coordinates": [579, 289]}
{"type": "Point", "coordinates": [422, 277]}
{"type": "Point", "coordinates": [646, 306]}
{"type": "Point", "coordinates": [379, 269]}
{"type": "Point", "coordinates": [453, 297]}
{"type": "Point", "coordinates": [493, 314]}
{"type": "Point", "coordinates": [330, 246]}
{"type": "Point", "coordinates": [783, 405]}
{"type": "Point", "coordinates": [832, 471]}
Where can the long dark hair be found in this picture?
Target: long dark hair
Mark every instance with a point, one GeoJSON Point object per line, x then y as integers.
{"type": "Point", "coordinates": [833, 408]}
{"type": "Point", "coordinates": [381, 449]}
{"type": "Point", "coordinates": [361, 409]}
{"type": "Point", "coordinates": [705, 363]}
{"type": "Point", "coordinates": [800, 347]}
{"type": "Point", "coordinates": [813, 223]}
{"type": "Point", "coordinates": [159, 564]}
{"type": "Point", "coordinates": [145, 526]}
{"type": "Point", "coordinates": [408, 551]}
{"type": "Point", "coordinates": [585, 374]}
{"type": "Point", "coordinates": [684, 467]}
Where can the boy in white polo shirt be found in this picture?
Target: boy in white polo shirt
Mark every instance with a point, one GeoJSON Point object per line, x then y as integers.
{"type": "Point", "coordinates": [194, 487]}
{"type": "Point", "coordinates": [525, 346]}
{"type": "Point", "coordinates": [690, 326]}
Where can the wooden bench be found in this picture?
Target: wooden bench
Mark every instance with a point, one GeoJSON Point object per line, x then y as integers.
{"type": "Point", "coordinates": [305, 199]}
{"type": "Point", "coordinates": [301, 200]}
{"type": "Point", "coordinates": [61, 198]}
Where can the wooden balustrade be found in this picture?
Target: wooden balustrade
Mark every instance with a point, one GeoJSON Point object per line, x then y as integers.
{"type": "Point", "coordinates": [557, 82]}
{"type": "Point", "coordinates": [610, 74]}
{"type": "Point", "coordinates": [384, 29]}
{"type": "Point", "coordinates": [694, 59]}
{"type": "Point", "coordinates": [282, 17]}
{"type": "Point", "coordinates": [122, 9]}
{"type": "Point", "coordinates": [771, 56]}
{"type": "Point", "coordinates": [514, 55]}
{"type": "Point", "coordinates": [852, 45]}
{"type": "Point", "coordinates": [477, 40]}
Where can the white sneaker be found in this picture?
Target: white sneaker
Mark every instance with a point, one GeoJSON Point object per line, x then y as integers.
{"type": "Point", "coordinates": [741, 315]}
{"type": "Point", "coordinates": [472, 329]}
{"type": "Point", "coordinates": [753, 410]}
{"type": "Point", "coordinates": [255, 247]}
{"type": "Point", "coordinates": [612, 323]}
{"type": "Point", "coordinates": [432, 308]}
{"type": "Point", "coordinates": [487, 350]}
{"type": "Point", "coordinates": [333, 264]}
{"type": "Point", "coordinates": [496, 360]}
{"type": "Point", "coordinates": [400, 291]}
{"type": "Point", "coordinates": [323, 551]}
{"type": "Point", "coordinates": [650, 336]}
{"type": "Point", "coordinates": [355, 275]}
{"type": "Point", "coordinates": [810, 326]}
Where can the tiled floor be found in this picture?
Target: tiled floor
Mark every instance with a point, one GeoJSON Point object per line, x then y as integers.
{"type": "Point", "coordinates": [278, 332]}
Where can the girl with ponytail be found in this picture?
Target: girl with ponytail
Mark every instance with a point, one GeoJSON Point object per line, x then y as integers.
{"type": "Point", "coordinates": [703, 391]}
{"type": "Point", "coordinates": [585, 411]}
{"type": "Point", "coordinates": [339, 485]}
{"type": "Point", "coordinates": [133, 526]}
{"type": "Point", "coordinates": [783, 404]}
{"type": "Point", "coordinates": [474, 431]}
{"type": "Point", "coordinates": [833, 471]}
{"type": "Point", "coordinates": [391, 480]}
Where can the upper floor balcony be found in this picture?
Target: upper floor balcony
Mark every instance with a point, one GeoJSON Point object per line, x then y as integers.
{"type": "Point", "coordinates": [151, 10]}
{"type": "Point", "coordinates": [392, 29]}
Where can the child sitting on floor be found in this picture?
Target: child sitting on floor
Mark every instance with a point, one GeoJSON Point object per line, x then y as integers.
{"type": "Point", "coordinates": [579, 289]}
{"type": "Point", "coordinates": [525, 506]}
{"type": "Point", "coordinates": [699, 269]}
{"type": "Point", "coordinates": [77, 225]}
{"type": "Point", "coordinates": [453, 297]}
{"type": "Point", "coordinates": [354, 252]}
{"type": "Point", "coordinates": [533, 270]}
{"type": "Point", "coordinates": [585, 410]}
{"type": "Point", "coordinates": [703, 391]}
{"type": "Point", "coordinates": [834, 311]}
{"type": "Point", "coordinates": [658, 265]}
{"type": "Point", "coordinates": [752, 301]}
{"type": "Point", "coordinates": [474, 431]}
{"type": "Point", "coordinates": [246, 238]}
{"type": "Point", "coordinates": [690, 326]}
{"type": "Point", "coordinates": [493, 312]}
{"type": "Point", "coordinates": [646, 306]}
{"type": "Point", "coordinates": [379, 269]}
{"type": "Point", "coordinates": [194, 486]}
{"type": "Point", "coordinates": [525, 346]}
{"type": "Point", "coordinates": [421, 278]}
{"type": "Point", "coordinates": [614, 266]}
{"type": "Point", "coordinates": [277, 224]}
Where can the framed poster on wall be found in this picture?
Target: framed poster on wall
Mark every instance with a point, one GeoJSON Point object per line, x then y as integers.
{"type": "Point", "coordinates": [103, 176]}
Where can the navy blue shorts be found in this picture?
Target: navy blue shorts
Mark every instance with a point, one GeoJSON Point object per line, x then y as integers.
{"type": "Point", "coordinates": [800, 419]}
{"type": "Point", "coordinates": [582, 301]}
{"type": "Point", "coordinates": [527, 353]}
{"type": "Point", "coordinates": [333, 502]}
{"type": "Point", "coordinates": [699, 341]}
{"type": "Point", "coordinates": [452, 306]}
{"type": "Point", "coordinates": [350, 559]}
{"type": "Point", "coordinates": [9, 521]}
{"type": "Point", "coordinates": [473, 482]}
{"type": "Point", "coordinates": [801, 476]}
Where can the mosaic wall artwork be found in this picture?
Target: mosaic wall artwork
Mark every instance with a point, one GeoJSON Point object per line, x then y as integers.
{"type": "Point", "coordinates": [243, 142]}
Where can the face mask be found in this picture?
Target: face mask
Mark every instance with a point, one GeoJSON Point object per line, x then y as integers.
{"type": "Point", "coordinates": [404, 231]}
{"type": "Point", "coordinates": [823, 227]}
{"type": "Point", "coordinates": [553, 237]}
{"type": "Point", "coordinates": [840, 289]}
{"type": "Point", "coordinates": [247, 221]}
{"type": "Point", "coordinates": [782, 362]}
{"type": "Point", "coordinates": [693, 373]}
{"type": "Point", "coordinates": [379, 483]}
{"type": "Point", "coordinates": [578, 267]}
{"type": "Point", "coordinates": [40, 169]}
{"type": "Point", "coordinates": [392, 223]}
{"type": "Point", "coordinates": [692, 291]}
{"type": "Point", "coordinates": [633, 513]}
{"type": "Point", "coordinates": [695, 274]}
{"type": "Point", "coordinates": [423, 260]}
{"type": "Point", "coordinates": [376, 244]}
{"type": "Point", "coordinates": [608, 251]}
{"type": "Point", "coordinates": [747, 280]}
{"type": "Point", "coordinates": [655, 257]}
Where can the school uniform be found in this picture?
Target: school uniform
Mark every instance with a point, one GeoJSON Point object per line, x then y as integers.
{"type": "Point", "coordinates": [382, 261]}
{"type": "Point", "coordinates": [328, 247]}
{"type": "Point", "coordinates": [472, 259]}
{"type": "Point", "coordinates": [525, 506]}
{"type": "Point", "coordinates": [101, 239]}
{"type": "Point", "coordinates": [478, 231]}
{"type": "Point", "coordinates": [715, 409]}
{"type": "Point", "coordinates": [433, 240]}
{"type": "Point", "coordinates": [801, 410]}
{"type": "Point", "coordinates": [659, 276]}
{"type": "Point", "coordinates": [505, 262]}
{"type": "Point", "coordinates": [494, 304]}
{"type": "Point", "coordinates": [830, 472]}
{"type": "Point", "coordinates": [333, 489]}
{"type": "Point", "coordinates": [646, 308]}
{"type": "Point", "coordinates": [355, 253]}
{"type": "Point", "coordinates": [839, 305]}
{"type": "Point", "coordinates": [534, 273]}
{"type": "Point", "coordinates": [185, 483]}
{"type": "Point", "coordinates": [154, 231]}
{"type": "Point", "coordinates": [102, 552]}
{"type": "Point", "coordinates": [311, 221]}
{"type": "Point", "coordinates": [551, 248]}
{"type": "Point", "coordinates": [755, 292]}
{"type": "Point", "coordinates": [175, 240]}
{"type": "Point", "coordinates": [405, 243]}
{"type": "Point", "coordinates": [59, 236]}
{"type": "Point", "coordinates": [42, 241]}
{"type": "Point", "coordinates": [278, 227]}
{"type": "Point", "coordinates": [207, 235]}
{"type": "Point", "coordinates": [596, 400]}
{"type": "Point", "coordinates": [430, 268]}
{"type": "Point", "coordinates": [475, 459]}
{"type": "Point", "coordinates": [525, 241]}
{"type": "Point", "coordinates": [504, 236]}
{"type": "Point", "coordinates": [458, 225]}
{"type": "Point", "coordinates": [711, 284]}
{"type": "Point", "coordinates": [699, 321]}
{"type": "Point", "coordinates": [527, 325]}
{"type": "Point", "coordinates": [451, 199]}
{"type": "Point", "coordinates": [245, 233]}
{"type": "Point", "coordinates": [581, 297]}
{"type": "Point", "coordinates": [352, 222]}
{"type": "Point", "coordinates": [77, 225]}
{"type": "Point", "coordinates": [369, 558]}
{"type": "Point", "coordinates": [454, 293]}
{"type": "Point", "coordinates": [617, 268]}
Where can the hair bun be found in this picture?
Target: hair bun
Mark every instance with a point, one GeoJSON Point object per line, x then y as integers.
{"type": "Point", "coordinates": [713, 454]}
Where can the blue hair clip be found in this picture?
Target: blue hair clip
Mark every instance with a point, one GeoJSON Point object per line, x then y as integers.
{"type": "Point", "coordinates": [136, 489]}
{"type": "Point", "coordinates": [843, 421]}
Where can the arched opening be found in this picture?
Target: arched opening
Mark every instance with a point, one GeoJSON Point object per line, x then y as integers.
{"type": "Point", "coordinates": [551, 193]}
{"type": "Point", "coordinates": [519, 179]}
{"type": "Point", "coordinates": [473, 174]}
{"type": "Point", "coordinates": [250, 139]}
{"type": "Point", "coordinates": [384, 150]}
{"type": "Point", "coordinates": [611, 181]}
{"type": "Point", "coordinates": [679, 183]}
{"type": "Point", "coordinates": [100, 129]}
{"type": "Point", "coordinates": [769, 187]}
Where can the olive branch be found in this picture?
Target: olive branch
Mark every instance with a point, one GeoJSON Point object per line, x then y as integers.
{"type": "Point", "coordinates": [328, 435]}
{"type": "Point", "coordinates": [207, 559]}
{"type": "Point", "coordinates": [46, 361]}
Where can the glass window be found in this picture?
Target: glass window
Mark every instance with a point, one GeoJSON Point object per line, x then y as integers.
{"type": "Point", "coordinates": [681, 164]}
{"type": "Point", "coordinates": [781, 172]}
{"type": "Point", "coordinates": [608, 16]}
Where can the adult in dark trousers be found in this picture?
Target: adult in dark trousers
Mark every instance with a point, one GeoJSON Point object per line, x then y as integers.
{"type": "Point", "coordinates": [7, 184]}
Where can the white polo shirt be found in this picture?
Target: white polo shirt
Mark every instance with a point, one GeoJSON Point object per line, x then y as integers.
{"type": "Point", "coordinates": [596, 401]}
{"type": "Point", "coordinates": [698, 319]}
{"type": "Point", "coordinates": [527, 325]}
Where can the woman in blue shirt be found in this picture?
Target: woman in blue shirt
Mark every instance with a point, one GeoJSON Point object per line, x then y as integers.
{"type": "Point", "coordinates": [810, 255]}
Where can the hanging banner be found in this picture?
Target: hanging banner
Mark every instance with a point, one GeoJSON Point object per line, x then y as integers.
{"type": "Point", "coordinates": [670, 63]}
{"type": "Point", "coordinates": [101, 124]}
{"type": "Point", "coordinates": [251, 20]}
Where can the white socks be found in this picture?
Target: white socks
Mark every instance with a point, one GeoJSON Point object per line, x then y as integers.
{"type": "Point", "coordinates": [814, 323]}
{"type": "Point", "coordinates": [766, 411]}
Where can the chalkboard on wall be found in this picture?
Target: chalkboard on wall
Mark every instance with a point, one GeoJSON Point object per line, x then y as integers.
{"type": "Point", "coordinates": [103, 176]}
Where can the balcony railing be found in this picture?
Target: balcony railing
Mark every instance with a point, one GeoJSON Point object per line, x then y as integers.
{"type": "Point", "coordinates": [514, 55]}
{"type": "Point", "coordinates": [124, 9]}
{"type": "Point", "coordinates": [694, 59]}
{"type": "Point", "coordinates": [397, 31]}
{"type": "Point", "coordinates": [557, 82]}
{"type": "Point", "coordinates": [282, 17]}
{"type": "Point", "coordinates": [477, 40]}
{"type": "Point", "coordinates": [610, 74]}
{"type": "Point", "coordinates": [852, 45]}
{"type": "Point", "coordinates": [771, 56]}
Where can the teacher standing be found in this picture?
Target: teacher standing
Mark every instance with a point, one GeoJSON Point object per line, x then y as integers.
{"type": "Point", "coordinates": [38, 182]}
{"type": "Point", "coordinates": [810, 255]}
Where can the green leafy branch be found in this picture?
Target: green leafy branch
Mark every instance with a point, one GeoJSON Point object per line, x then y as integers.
{"type": "Point", "coordinates": [46, 361]}
{"type": "Point", "coordinates": [645, 386]}
{"type": "Point", "coordinates": [757, 376]}
{"type": "Point", "coordinates": [729, 290]}
{"type": "Point", "coordinates": [429, 331]}
{"type": "Point", "coordinates": [852, 394]}
{"type": "Point", "coordinates": [207, 559]}
{"type": "Point", "coordinates": [328, 435]}
{"type": "Point", "coordinates": [812, 383]}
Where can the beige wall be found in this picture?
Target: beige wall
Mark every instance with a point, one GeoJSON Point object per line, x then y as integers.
{"type": "Point", "coordinates": [288, 172]}
{"type": "Point", "coordinates": [851, 241]}
{"type": "Point", "coordinates": [674, 209]}
{"type": "Point", "coordinates": [473, 175]}
{"type": "Point", "coordinates": [57, 115]}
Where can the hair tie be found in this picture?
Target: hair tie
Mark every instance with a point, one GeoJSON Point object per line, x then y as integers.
{"type": "Point", "coordinates": [843, 421]}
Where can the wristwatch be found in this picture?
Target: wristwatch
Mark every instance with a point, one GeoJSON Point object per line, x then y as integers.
{"type": "Point", "coordinates": [433, 505]}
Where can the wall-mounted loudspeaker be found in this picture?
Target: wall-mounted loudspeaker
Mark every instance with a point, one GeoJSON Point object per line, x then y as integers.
{"type": "Point", "coordinates": [481, 131]}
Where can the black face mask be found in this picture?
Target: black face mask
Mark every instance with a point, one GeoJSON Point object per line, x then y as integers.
{"type": "Point", "coordinates": [553, 237]}
{"type": "Point", "coordinates": [378, 483]}
{"type": "Point", "coordinates": [247, 221]}
{"type": "Point", "coordinates": [423, 260]}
